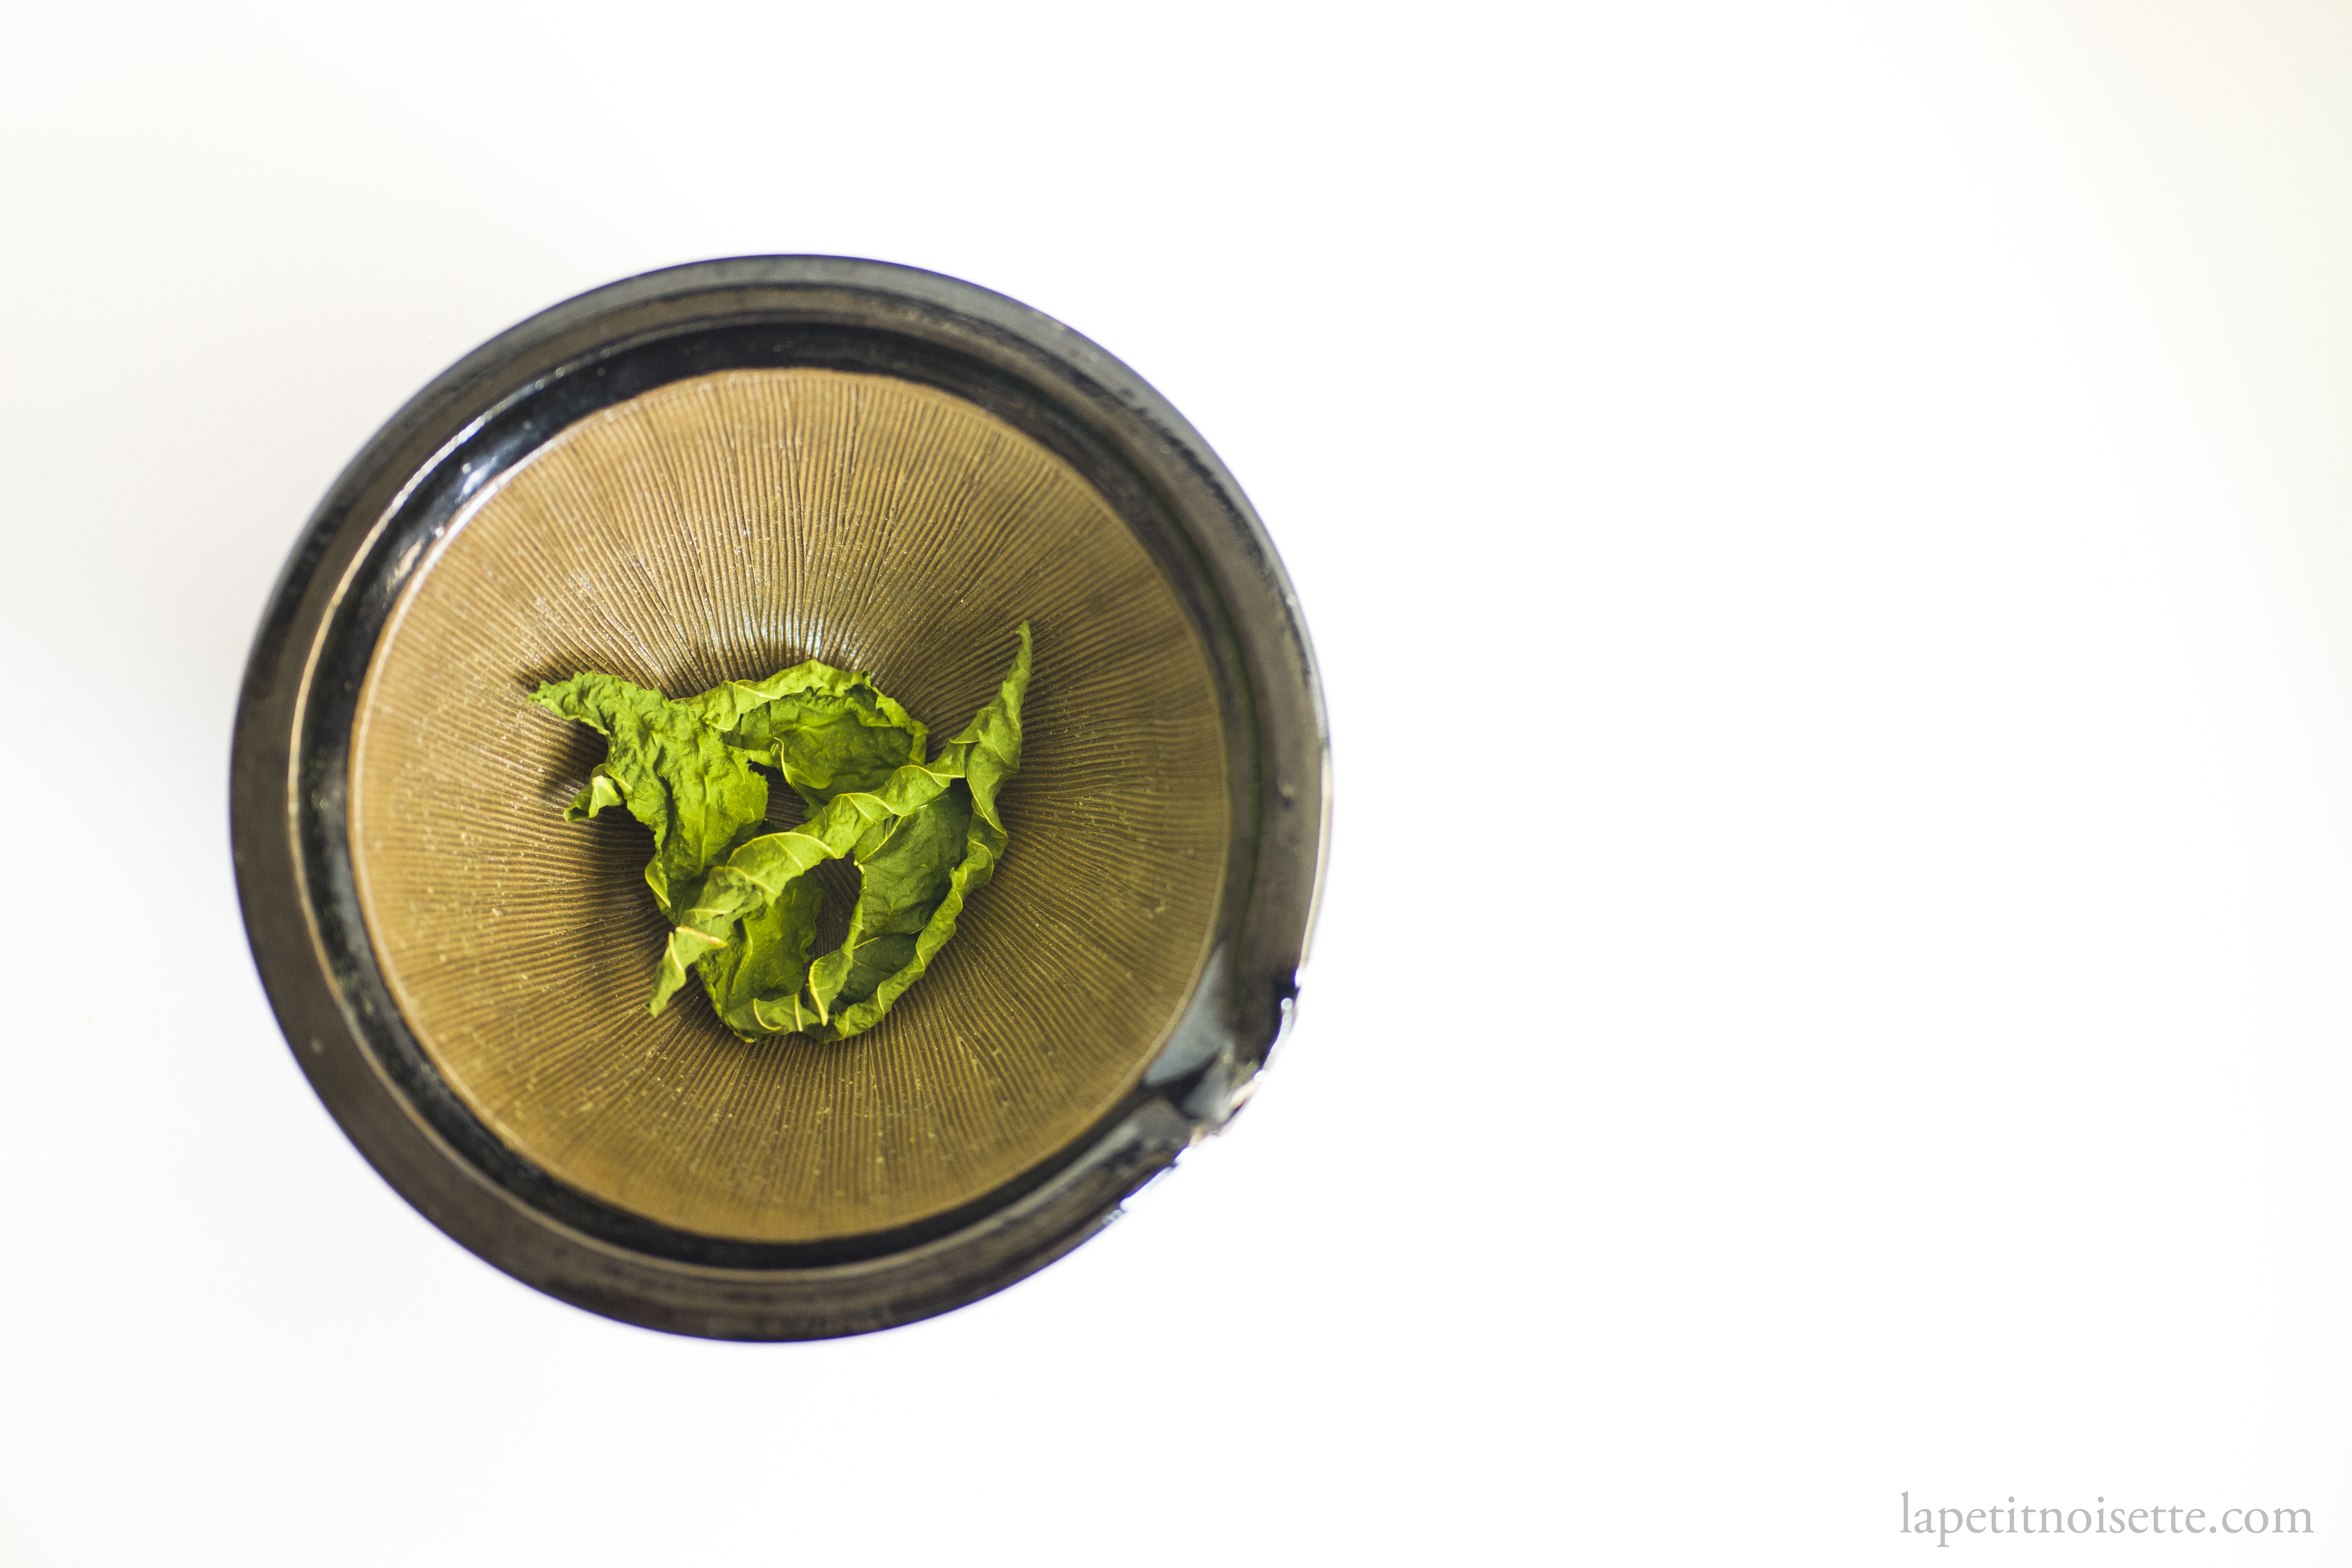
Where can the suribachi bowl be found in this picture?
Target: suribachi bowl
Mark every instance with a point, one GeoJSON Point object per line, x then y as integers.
{"type": "Point", "coordinates": [709, 474]}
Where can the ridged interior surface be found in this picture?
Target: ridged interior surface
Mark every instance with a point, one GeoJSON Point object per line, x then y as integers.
{"type": "Point", "coordinates": [725, 527]}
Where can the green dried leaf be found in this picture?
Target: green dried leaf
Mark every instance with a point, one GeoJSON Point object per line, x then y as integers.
{"type": "Point", "coordinates": [826, 731]}
{"type": "Point", "coordinates": [923, 842]}
{"type": "Point", "coordinates": [674, 772]}
{"type": "Point", "coordinates": [924, 835]}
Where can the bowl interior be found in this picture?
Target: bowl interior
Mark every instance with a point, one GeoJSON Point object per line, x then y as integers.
{"type": "Point", "coordinates": [725, 527]}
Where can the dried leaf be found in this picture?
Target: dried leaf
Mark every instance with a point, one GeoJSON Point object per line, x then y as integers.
{"type": "Point", "coordinates": [924, 835]}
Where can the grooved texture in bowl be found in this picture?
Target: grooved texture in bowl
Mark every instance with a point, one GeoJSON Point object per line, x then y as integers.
{"type": "Point", "coordinates": [725, 527]}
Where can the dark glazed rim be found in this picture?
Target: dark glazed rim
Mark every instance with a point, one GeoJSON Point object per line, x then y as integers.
{"type": "Point", "coordinates": [289, 769]}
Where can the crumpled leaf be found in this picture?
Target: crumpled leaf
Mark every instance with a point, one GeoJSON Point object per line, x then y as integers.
{"type": "Point", "coordinates": [674, 772]}
{"type": "Point", "coordinates": [744, 910]}
{"type": "Point", "coordinates": [826, 730]}
{"type": "Point", "coordinates": [923, 842]}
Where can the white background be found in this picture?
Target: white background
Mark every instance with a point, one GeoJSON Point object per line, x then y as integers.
{"type": "Point", "coordinates": [1829, 532]}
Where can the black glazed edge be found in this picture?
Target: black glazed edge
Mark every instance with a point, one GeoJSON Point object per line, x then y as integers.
{"type": "Point", "coordinates": [501, 403]}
